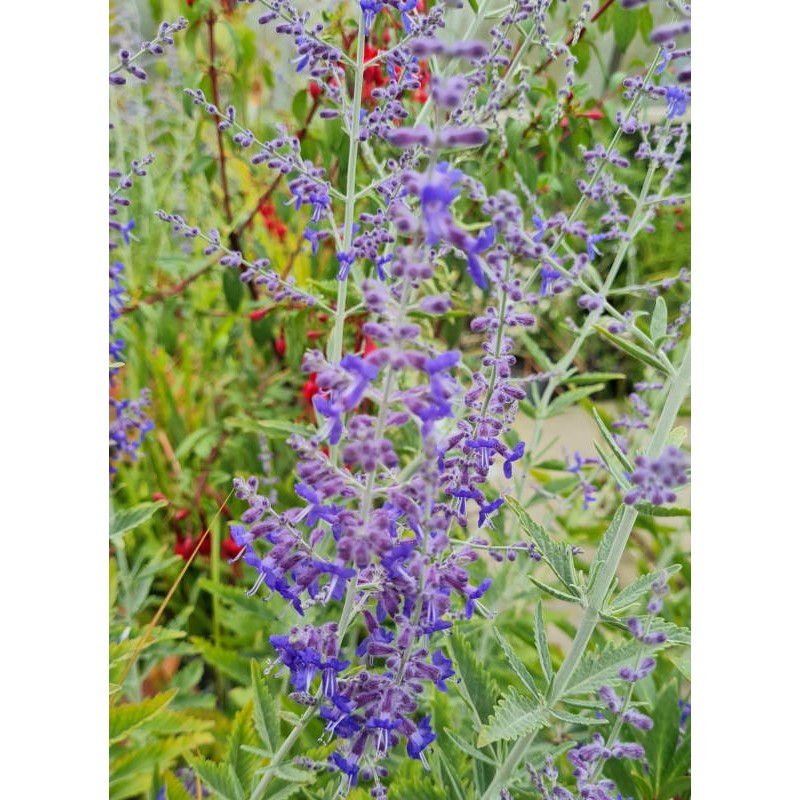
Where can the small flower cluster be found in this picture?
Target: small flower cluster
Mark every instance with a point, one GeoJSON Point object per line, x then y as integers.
{"type": "Point", "coordinates": [127, 59]}
{"type": "Point", "coordinates": [654, 480]}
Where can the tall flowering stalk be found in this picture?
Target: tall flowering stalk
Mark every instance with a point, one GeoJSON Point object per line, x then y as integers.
{"type": "Point", "coordinates": [391, 486]}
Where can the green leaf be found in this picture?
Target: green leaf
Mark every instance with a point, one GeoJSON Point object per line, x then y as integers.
{"type": "Point", "coordinates": [663, 511]}
{"type": "Point", "coordinates": [219, 777]}
{"type": "Point", "coordinates": [596, 377]}
{"type": "Point", "coordinates": [645, 23]}
{"type": "Point", "coordinates": [271, 428]}
{"type": "Point", "coordinates": [553, 592]}
{"type": "Point", "coordinates": [233, 288]}
{"type": "Point", "coordinates": [611, 442]}
{"type": "Point", "coordinates": [601, 665]}
{"type": "Point", "coordinates": [661, 742]}
{"type": "Point", "coordinates": [682, 660]}
{"type": "Point", "coordinates": [571, 397]}
{"type": "Point", "coordinates": [265, 712]}
{"type": "Point", "coordinates": [658, 322]}
{"type": "Point", "coordinates": [469, 749]}
{"type": "Point", "coordinates": [634, 590]}
{"type": "Point", "coordinates": [538, 354]}
{"type": "Point", "coordinates": [632, 349]}
{"type": "Point", "coordinates": [300, 106]}
{"type": "Point", "coordinates": [130, 518]}
{"type": "Point", "coordinates": [577, 719]}
{"type": "Point", "coordinates": [476, 681]}
{"type": "Point", "coordinates": [558, 556]}
{"type": "Point", "coordinates": [604, 548]}
{"type": "Point", "coordinates": [135, 767]}
{"type": "Point", "coordinates": [172, 723]}
{"type": "Point", "coordinates": [583, 52]}
{"type": "Point", "coordinates": [624, 27]}
{"type": "Point", "coordinates": [174, 789]}
{"type": "Point", "coordinates": [123, 719]}
{"type": "Point", "coordinates": [542, 649]}
{"type": "Point", "coordinates": [519, 668]}
{"type": "Point", "coordinates": [238, 597]}
{"type": "Point", "coordinates": [224, 660]}
{"type": "Point", "coordinates": [514, 716]}
{"type": "Point", "coordinates": [242, 762]}
{"type": "Point", "coordinates": [677, 436]}
{"type": "Point", "coordinates": [473, 4]}
{"type": "Point", "coordinates": [200, 441]}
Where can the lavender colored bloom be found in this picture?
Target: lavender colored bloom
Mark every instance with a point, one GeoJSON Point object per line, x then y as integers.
{"type": "Point", "coordinates": [349, 766]}
{"type": "Point", "coordinates": [654, 479]}
{"type": "Point", "coordinates": [677, 102]}
{"type": "Point", "coordinates": [420, 739]}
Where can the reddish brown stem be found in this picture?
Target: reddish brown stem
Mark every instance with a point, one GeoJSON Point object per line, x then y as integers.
{"type": "Point", "coordinates": [173, 290]}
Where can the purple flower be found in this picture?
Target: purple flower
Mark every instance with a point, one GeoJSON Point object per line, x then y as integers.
{"type": "Point", "coordinates": [654, 479]}
{"type": "Point", "coordinates": [349, 766]}
{"type": "Point", "coordinates": [420, 739]}
{"type": "Point", "coordinates": [677, 101]}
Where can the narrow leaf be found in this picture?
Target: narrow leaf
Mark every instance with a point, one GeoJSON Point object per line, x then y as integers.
{"type": "Point", "coordinates": [469, 749]}
{"type": "Point", "coordinates": [553, 592]}
{"type": "Point", "coordinates": [242, 762]}
{"type": "Point", "coordinates": [541, 644]}
{"type": "Point", "coordinates": [642, 585]}
{"type": "Point", "coordinates": [604, 548]}
{"type": "Point", "coordinates": [571, 397]}
{"type": "Point", "coordinates": [658, 322]}
{"type": "Point", "coordinates": [265, 713]}
{"type": "Point", "coordinates": [663, 511]}
{"type": "Point", "coordinates": [611, 442]}
{"type": "Point", "coordinates": [631, 349]}
{"type": "Point", "coordinates": [519, 668]}
{"type": "Point", "coordinates": [558, 556]}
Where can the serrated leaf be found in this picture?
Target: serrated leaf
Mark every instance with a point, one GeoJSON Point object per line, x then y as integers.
{"type": "Point", "coordinates": [469, 749]}
{"type": "Point", "coordinates": [634, 590]}
{"type": "Point", "coordinates": [611, 442]}
{"type": "Point", "coordinates": [558, 556]}
{"type": "Point", "coordinates": [265, 712]}
{"type": "Point", "coordinates": [601, 665]}
{"type": "Point", "coordinates": [174, 788]}
{"type": "Point", "coordinates": [476, 681]}
{"type": "Point", "coordinates": [168, 722]}
{"type": "Point", "coordinates": [540, 633]}
{"type": "Point", "coordinates": [519, 668]}
{"type": "Point", "coordinates": [658, 320]}
{"type": "Point", "coordinates": [631, 349]}
{"type": "Point", "coordinates": [226, 661]}
{"type": "Point", "coordinates": [141, 760]}
{"type": "Point", "coordinates": [663, 511]}
{"type": "Point", "coordinates": [604, 548]}
{"type": "Point", "coordinates": [514, 716]}
{"type": "Point", "coordinates": [126, 718]}
{"type": "Point", "coordinates": [130, 518]}
{"type": "Point", "coordinates": [552, 591]}
{"type": "Point", "coordinates": [577, 719]}
{"type": "Point", "coordinates": [242, 762]}
{"type": "Point", "coordinates": [219, 777]}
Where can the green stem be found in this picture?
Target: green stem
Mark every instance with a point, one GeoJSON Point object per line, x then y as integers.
{"type": "Point", "coordinates": [678, 390]}
{"type": "Point", "coordinates": [335, 348]}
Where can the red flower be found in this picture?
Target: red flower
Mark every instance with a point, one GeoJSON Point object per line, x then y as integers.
{"type": "Point", "coordinates": [280, 345]}
{"type": "Point", "coordinates": [184, 547]}
{"type": "Point", "coordinates": [229, 548]}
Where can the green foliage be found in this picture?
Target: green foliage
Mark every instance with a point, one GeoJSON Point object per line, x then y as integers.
{"type": "Point", "coordinates": [479, 688]}
{"type": "Point", "coordinates": [514, 716]}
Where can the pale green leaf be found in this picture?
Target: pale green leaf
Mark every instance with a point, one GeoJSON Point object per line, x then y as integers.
{"type": "Point", "coordinates": [514, 716]}
{"type": "Point", "coordinates": [475, 680]}
{"type": "Point", "coordinates": [516, 664]}
{"type": "Point", "coordinates": [658, 321]}
{"type": "Point", "coordinates": [265, 712]}
{"type": "Point", "coordinates": [219, 777]}
{"type": "Point", "coordinates": [123, 719]}
{"type": "Point", "coordinates": [129, 518]}
{"type": "Point", "coordinates": [605, 547]}
{"type": "Point", "coordinates": [541, 643]}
